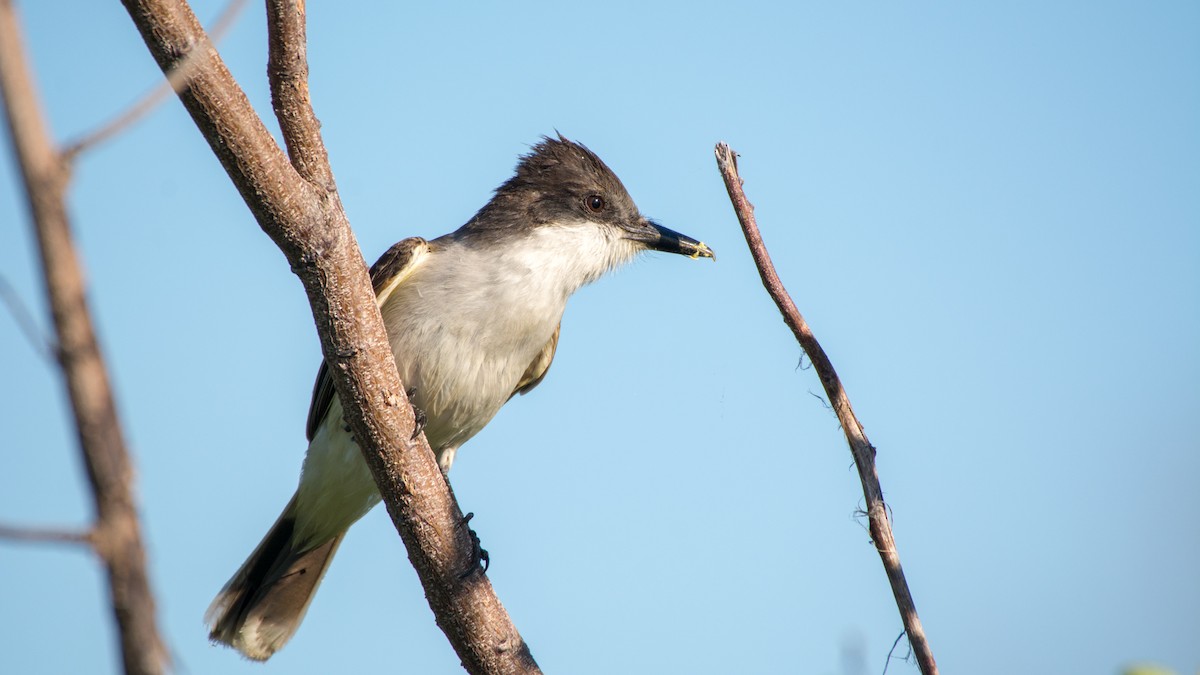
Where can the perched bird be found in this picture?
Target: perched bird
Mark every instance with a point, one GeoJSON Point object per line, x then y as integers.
{"type": "Point", "coordinates": [473, 319]}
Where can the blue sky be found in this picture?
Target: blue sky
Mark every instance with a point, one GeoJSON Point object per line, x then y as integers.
{"type": "Point", "coordinates": [988, 214]}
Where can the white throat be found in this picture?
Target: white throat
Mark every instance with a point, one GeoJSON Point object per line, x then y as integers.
{"type": "Point", "coordinates": [566, 255]}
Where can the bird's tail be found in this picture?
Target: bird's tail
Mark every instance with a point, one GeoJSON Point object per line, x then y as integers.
{"type": "Point", "coordinates": [260, 608]}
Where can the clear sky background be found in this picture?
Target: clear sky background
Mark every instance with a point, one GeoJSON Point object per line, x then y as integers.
{"type": "Point", "coordinates": [990, 215]}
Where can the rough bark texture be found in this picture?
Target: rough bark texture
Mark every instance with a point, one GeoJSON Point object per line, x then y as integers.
{"type": "Point", "coordinates": [116, 536]}
{"type": "Point", "coordinates": [296, 204]}
{"type": "Point", "coordinates": [860, 447]}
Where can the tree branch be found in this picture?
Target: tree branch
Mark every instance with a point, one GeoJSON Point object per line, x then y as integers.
{"type": "Point", "coordinates": [860, 448]}
{"type": "Point", "coordinates": [42, 535]}
{"type": "Point", "coordinates": [117, 536]}
{"type": "Point", "coordinates": [287, 67]}
{"type": "Point", "coordinates": [42, 344]}
{"type": "Point", "coordinates": [306, 221]}
{"type": "Point", "coordinates": [175, 80]}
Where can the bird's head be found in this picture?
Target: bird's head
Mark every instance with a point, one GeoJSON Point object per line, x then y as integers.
{"type": "Point", "coordinates": [562, 184]}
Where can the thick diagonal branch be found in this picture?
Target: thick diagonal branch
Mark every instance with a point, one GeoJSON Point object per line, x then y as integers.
{"type": "Point", "coordinates": [117, 535]}
{"type": "Point", "coordinates": [860, 447]}
{"type": "Point", "coordinates": [297, 206]}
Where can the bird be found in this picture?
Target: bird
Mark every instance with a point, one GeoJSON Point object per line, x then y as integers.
{"type": "Point", "coordinates": [473, 318]}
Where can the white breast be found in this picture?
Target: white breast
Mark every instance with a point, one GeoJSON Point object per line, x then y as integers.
{"type": "Point", "coordinates": [464, 326]}
{"type": "Point", "coordinates": [467, 324]}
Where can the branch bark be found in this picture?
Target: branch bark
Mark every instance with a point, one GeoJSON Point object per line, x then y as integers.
{"type": "Point", "coordinates": [860, 447]}
{"type": "Point", "coordinates": [117, 534]}
{"type": "Point", "coordinates": [287, 69]}
{"type": "Point", "coordinates": [296, 203]}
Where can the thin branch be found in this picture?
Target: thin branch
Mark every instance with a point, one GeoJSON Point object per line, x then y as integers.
{"type": "Point", "coordinates": [306, 221]}
{"type": "Point", "coordinates": [40, 342]}
{"type": "Point", "coordinates": [175, 81]}
{"type": "Point", "coordinates": [287, 66]}
{"type": "Point", "coordinates": [41, 535]}
{"type": "Point", "coordinates": [892, 651]}
{"type": "Point", "coordinates": [117, 539]}
{"type": "Point", "coordinates": [860, 447]}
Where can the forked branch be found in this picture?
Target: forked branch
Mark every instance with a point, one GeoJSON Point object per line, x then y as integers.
{"type": "Point", "coordinates": [295, 202]}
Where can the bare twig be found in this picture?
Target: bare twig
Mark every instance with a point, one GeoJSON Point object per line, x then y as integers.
{"type": "Point", "coordinates": [41, 343]}
{"type": "Point", "coordinates": [117, 537]}
{"type": "Point", "coordinates": [888, 661]}
{"type": "Point", "coordinates": [860, 448]}
{"type": "Point", "coordinates": [174, 82]}
{"type": "Point", "coordinates": [297, 206]}
{"type": "Point", "coordinates": [41, 535]}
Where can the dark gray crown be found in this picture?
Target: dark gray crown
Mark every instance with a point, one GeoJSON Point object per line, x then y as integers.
{"type": "Point", "coordinates": [552, 183]}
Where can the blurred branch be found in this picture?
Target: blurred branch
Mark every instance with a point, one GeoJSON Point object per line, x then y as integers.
{"type": "Point", "coordinates": [39, 535]}
{"type": "Point", "coordinates": [117, 536]}
{"type": "Point", "coordinates": [296, 204]}
{"type": "Point", "coordinates": [41, 343]}
{"type": "Point", "coordinates": [175, 81]}
{"type": "Point", "coordinates": [860, 448]}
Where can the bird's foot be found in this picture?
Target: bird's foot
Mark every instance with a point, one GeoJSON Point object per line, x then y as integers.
{"type": "Point", "coordinates": [419, 418]}
{"type": "Point", "coordinates": [479, 555]}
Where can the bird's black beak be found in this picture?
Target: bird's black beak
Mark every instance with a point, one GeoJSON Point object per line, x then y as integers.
{"type": "Point", "coordinates": [659, 238]}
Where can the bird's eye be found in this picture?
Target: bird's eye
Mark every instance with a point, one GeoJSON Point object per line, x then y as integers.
{"type": "Point", "coordinates": [595, 203]}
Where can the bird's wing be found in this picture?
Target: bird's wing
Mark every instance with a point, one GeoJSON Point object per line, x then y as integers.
{"type": "Point", "coordinates": [392, 268]}
{"type": "Point", "coordinates": [541, 363]}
